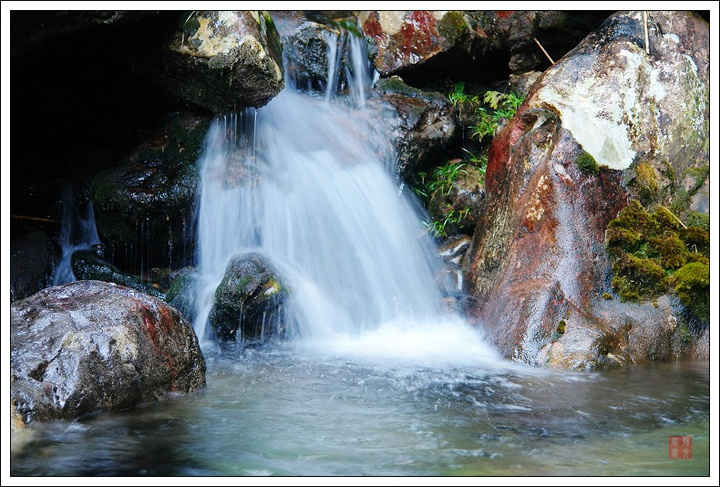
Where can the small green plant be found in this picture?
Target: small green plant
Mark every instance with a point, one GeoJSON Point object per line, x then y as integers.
{"type": "Point", "coordinates": [480, 162]}
{"type": "Point", "coordinates": [443, 176]}
{"type": "Point", "coordinates": [438, 186]}
{"type": "Point", "coordinates": [458, 96]}
{"type": "Point", "coordinates": [452, 217]}
{"type": "Point", "coordinates": [499, 106]}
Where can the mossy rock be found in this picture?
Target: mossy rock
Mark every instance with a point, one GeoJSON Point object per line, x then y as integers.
{"type": "Point", "coordinates": [653, 253]}
{"type": "Point", "coordinates": [698, 219]}
{"type": "Point", "coordinates": [646, 179]}
{"type": "Point", "coordinates": [696, 239]}
{"type": "Point", "coordinates": [666, 221]}
{"type": "Point", "coordinates": [622, 239]}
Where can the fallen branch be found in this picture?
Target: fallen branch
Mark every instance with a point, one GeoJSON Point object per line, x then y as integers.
{"type": "Point", "coordinates": [544, 51]}
{"type": "Point", "coordinates": [34, 218]}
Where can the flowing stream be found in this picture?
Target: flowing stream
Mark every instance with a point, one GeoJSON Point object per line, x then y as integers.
{"type": "Point", "coordinates": [290, 412]}
{"type": "Point", "coordinates": [377, 378]}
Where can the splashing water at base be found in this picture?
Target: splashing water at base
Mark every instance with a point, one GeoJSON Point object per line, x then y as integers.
{"type": "Point", "coordinates": [306, 185]}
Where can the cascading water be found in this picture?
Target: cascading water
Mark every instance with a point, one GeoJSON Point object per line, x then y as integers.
{"type": "Point", "coordinates": [304, 182]}
{"type": "Point", "coordinates": [77, 232]}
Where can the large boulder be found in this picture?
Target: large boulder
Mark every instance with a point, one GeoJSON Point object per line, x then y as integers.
{"type": "Point", "coordinates": [605, 124]}
{"type": "Point", "coordinates": [224, 60]}
{"type": "Point", "coordinates": [88, 346]}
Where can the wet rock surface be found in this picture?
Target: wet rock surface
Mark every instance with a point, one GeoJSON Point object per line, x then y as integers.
{"type": "Point", "coordinates": [539, 258]}
{"type": "Point", "coordinates": [88, 346]}
{"type": "Point", "coordinates": [415, 44]}
{"type": "Point", "coordinates": [89, 266]}
{"type": "Point", "coordinates": [422, 124]}
{"type": "Point", "coordinates": [144, 207]}
{"type": "Point", "coordinates": [249, 301]}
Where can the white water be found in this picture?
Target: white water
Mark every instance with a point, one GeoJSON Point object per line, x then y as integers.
{"type": "Point", "coordinates": [305, 182]}
{"type": "Point", "coordinates": [77, 232]}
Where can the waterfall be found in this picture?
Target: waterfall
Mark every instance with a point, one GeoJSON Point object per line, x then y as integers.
{"type": "Point", "coordinates": [77, 232]}
{"type": "Point", "coordinates": [304, 181]}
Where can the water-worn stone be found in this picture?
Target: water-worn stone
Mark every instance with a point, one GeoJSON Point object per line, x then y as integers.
{"type": "Point", "coordinates": [249, 301]}
{"type": "Point", "coordinates": [33, 258]}
{"type": "Point", "coordinates": [224, 60]}
{"type": "Point", "coordinates": [88, 346]}
{"type": "Point", "coordinates": [561, 170]}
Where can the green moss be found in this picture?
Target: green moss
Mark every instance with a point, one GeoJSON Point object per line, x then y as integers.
{"type": "Point", "coordinates": [623, 239]}
{"type": "Point", "coordinates": [653, 254]}
{"type": "Point", "coordinates": [696, 240]}
{"type": "Point", "coordinates": [634, 217]}
{"type": "Point", "coordinates": [561, 327]}
{"type": "Point", "coordinates": [241, 286]}
{"type": "Point", "coordinates": [666, 220]}
{"type": "Point", "coordinates": [587, 164]}
{"type": "Point", "coordinates": [669, 251]}
{"type": "Point", "coordinates": [698, 219]}
{"type": "Point", "coordinates": [646, 178]}
{"type": "Point", "coordinates": [607, 296]}
{"type": "Point", "coordinates": [692, 286]}
{"type": "Point", "coordinates": [637, 278]}
{"type": "Point", "coordinates": [453, 25]}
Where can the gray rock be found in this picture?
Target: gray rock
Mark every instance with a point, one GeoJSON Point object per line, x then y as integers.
{"type": "Point", "coordinates": [89, 346]}
{"type": "Point", "coordinates": [224, 60]}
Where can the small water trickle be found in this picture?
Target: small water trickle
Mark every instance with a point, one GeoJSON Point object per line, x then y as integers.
{"type": "Point", "coordinates": [77, 232]}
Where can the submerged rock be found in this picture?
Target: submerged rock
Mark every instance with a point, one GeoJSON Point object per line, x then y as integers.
{"type": "Point", "coordinates": [539, 273]}
{"type": "Point", "coordinates": [249, 301]}
{"type": "Point", "coordinates": [88, 346]}
{"type": "Point", "coordinates": [224, 60]}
